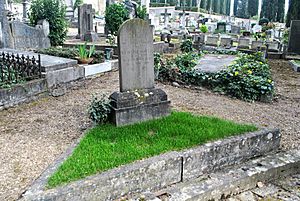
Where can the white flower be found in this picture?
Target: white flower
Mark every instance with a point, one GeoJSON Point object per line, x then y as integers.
{"type": "Point", "coordinates": [146, 94]}
{"type": "Point", "coordinates": [137, 94]}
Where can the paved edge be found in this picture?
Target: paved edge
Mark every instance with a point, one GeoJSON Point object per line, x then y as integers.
{"type": "Point", "coordinates": [157, 172]}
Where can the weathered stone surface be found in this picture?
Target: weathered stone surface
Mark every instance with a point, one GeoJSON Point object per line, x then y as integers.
{"type": "Point", "coordinates": [243, 177]}
{"type": "Point", "coordinates": [85, 23]}
{"type": "Point", "coordinates": [140, 105]}
{"type": "Point", "coordinates": [135, 42]}
{"type": "Point", "coordinates": [25, 37]}
{"type": "Point", "coordinates": [225, 42]}
{"type": "Point", "coordinates": [229, 151]}
{"type": "Point", "coordinates": [212, 40]}
{"type": "Point", "coordinates": [22, 93]}
{"type": "Point", "coordinates": [244, 43]}
{"type": "Point", "coordinates": [148, 174]}
{"type": "Point", "coordinates": [48, 63]}
{"type": "Point", "coordinates": [294, 38]}
{"type": "Point", "coordinates": [64, 75]}
{"type": "Point", "coordinates": [295, 66]}
{"type": "Point", "coordinates": [256, 45]}
{"type": "Point", "coordinates": [161, 171]}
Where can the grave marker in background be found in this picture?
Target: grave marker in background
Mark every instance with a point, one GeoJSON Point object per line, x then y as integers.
{"type": "Point", "coordinates": [137, 100]}
{"type": "Point", "coordinates": [294, 38]}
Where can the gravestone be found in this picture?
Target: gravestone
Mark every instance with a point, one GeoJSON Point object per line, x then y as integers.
{"type": "Point", "coordinates": [85, 23]}
{"type": "Point", "coordinates": [212, 41]}
{"type": "Point", "coordinates": [5, 34]}
{"type": "Point", "coordinates": [256, 45]}
{"type": "Point", "coordinates": [244, 43]}
{"type": "Point", "coordinates": [137, 100]}
{"type": "Point", "coordinates": [226, 42]}
{"type": "Point", "coordinates": [235, 29]}
{"type": "Point", "coordinates": [257, 28]}
{"type": "Point", "coordinates": [273, 46]}
{"type": "Point", "coordinates": [294, 37]}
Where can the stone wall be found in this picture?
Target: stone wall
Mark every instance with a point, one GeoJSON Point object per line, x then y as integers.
{"type": "Point", "coordinates": [27, 37]}
{"type": "Point", "coordinates": [22, 93]}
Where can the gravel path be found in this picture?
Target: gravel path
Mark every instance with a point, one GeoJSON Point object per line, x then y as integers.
{"type": "Point", "coordinates": [33, 135]}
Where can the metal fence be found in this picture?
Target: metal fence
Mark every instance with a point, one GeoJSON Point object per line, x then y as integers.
{"type": "Point", "coordinates": [16, 69]}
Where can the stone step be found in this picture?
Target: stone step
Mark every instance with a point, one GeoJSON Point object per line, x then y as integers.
{"type": "Point", "coordinates": [232, 180]}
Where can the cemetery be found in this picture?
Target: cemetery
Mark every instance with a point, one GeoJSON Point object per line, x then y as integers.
{"type": "Point", "coordinates": [149, 100]}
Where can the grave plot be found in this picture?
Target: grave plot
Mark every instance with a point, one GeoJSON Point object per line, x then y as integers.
{"type": "Point", "coordinates": [211, 63]}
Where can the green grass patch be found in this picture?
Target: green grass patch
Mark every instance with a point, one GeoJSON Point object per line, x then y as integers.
{"type": "Point", "coordinates": [106, 146]}
{"type": "Point", "coordinates": [297, 62]}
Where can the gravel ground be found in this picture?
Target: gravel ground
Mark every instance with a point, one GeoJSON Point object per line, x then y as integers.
{"type": "Point", "coordinates": [33, 135]}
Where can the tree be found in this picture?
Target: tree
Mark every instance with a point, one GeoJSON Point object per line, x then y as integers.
{"type": "Point", "coordinates": [293, 12]}
{"type": "Point", "coordinates": [54, 11]}
{"type": "Point", "coordinates": [273, 10]}
{"type": "Point", "coordinates": [115, 15]}
{"type": "Point", "coordinates": [252, 7]}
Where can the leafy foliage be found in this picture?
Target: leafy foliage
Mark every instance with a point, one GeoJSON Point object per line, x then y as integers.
{"type": "Point", "coordinates": [263, 21]}
{"type": "Point", "coordinates": [141, 12]}
{"type": "Point", "coordinates": [84, 53]}
{"type": "Point", "coordinates": [248, 78]}
{"type": "Point", "coordinates": [293, 12]}
{"type": "Point", "coordinates": [203, 28]}
{"type": "Point", "coordinates": [54, 11]}
{"type": "Point", "coordinates": [115, 15]}
{"type": "Point", "coordinates": [99, 109]}
{"type": "Point", "coordinates": [71, 53]}
{"type": "Point", "coordinates": [186, 46]}
{"type": "Point", "coordinates": [77, 3]}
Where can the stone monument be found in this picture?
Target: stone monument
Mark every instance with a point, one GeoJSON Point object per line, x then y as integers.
{"type": "Point", "coordinates": [85, 23]}
{"type": "Point", "coordinates": [5, 34]}
{"type": "Point", "coordinates": [294, 38]}
{"type": "Point", "coordinates": [137, 100]}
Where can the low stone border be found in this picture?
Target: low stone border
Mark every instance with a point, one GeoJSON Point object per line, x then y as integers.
{"type": "Point", "coordinates": [295, 66]}
{"type": "Point", "coordinates": [157, 172]}
{"type": "Point", "coordinates": [22, 93]}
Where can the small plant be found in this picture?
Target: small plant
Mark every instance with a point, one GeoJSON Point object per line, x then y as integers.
{"type": "Point", "coordinates": [84, 53]}
{"type": "Point", "coordinates": [99, 109]}
{"type": "Point", "coordinates": [203, 29]}
{"type": "Point", "coordinates": [186, 46]}
{"type": "Point", "coordinates": [263, 21]}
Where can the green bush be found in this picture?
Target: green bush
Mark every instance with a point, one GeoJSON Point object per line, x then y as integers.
{"type": "Point", "coordinates": [187, 46]}
{"type": "Point", "coordinates": [186, 61]}
{"type": "Point", "coordinates": [115, 15]}
{"type": "Point", "coordinates": [54, 11]}
{"type": "Point", "coordinates": [263, 21]}
{"type": "Point", "coordinates": [99, 109]}
{"type": "Point", "coordinates": [203, 28]}
{"type": "Point", "coordinates": [141, 12]}
{"type": "Point", "coordinates": [248, 78]}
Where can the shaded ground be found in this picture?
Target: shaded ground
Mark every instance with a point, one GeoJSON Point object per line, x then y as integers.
{"type": "Point", "coordinates": [33, 135]}
{"type": "Point", "coordinates": [213, 63]}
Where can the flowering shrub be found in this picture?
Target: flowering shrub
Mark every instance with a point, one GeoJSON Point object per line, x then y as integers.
{"type": "Point", "coordinates": [248, 78]}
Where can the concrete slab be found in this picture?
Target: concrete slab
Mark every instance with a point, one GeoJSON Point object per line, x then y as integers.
{"type": "Point", "coordinates": [212, 63]}
{"type": "Point", "coordinates": [49, 63]}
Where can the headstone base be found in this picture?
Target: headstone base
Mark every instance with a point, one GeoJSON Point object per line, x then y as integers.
{"type": "Point", "coordinates": [139, 105]}
{"type": "Point", "coordinates": [90, 36]}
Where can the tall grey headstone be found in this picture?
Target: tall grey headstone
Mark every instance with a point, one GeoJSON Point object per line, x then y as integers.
{"type": "Point", "coordinates": [85, 23]}
{"type": "Point", "coordinates": [137, 100]}
{"type": "Point", "coordinates": [294, 38]}
{"type": "Point", "coordinates": [135, 42]}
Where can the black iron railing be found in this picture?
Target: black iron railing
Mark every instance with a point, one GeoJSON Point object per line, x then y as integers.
{"type": "Point", "coordinates": [16, 69]}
